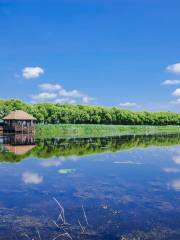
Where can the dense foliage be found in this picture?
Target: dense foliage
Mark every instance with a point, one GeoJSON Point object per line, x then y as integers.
{"type": "Point", "coordinates": [83, 114]}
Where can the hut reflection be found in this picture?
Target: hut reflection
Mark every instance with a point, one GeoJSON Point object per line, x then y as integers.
{"type": "Point", "coordinates": [19, 143]}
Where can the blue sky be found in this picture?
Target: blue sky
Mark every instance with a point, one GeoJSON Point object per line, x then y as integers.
{"type": "Point", "coordinates": [110, 53]}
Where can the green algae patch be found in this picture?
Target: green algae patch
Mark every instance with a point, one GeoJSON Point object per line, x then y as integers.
{"type": "Point", "coordinates": [66, 171]}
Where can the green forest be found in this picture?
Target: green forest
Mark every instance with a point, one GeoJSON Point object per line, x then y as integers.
{"type": "Point", "coordinates": [50, 113]}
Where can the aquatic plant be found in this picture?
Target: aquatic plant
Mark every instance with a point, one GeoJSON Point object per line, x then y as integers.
{"type": "Point", "coordinates": [66, 171]}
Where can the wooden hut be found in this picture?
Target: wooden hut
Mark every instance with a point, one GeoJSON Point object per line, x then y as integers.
{"type": "Point", "coordinates": [1, 127]}
{"type": "Point", "coordinates": [19, 121]}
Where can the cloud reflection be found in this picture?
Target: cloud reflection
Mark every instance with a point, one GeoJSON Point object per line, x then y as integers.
{"type": "Point", "coordinates": [128, 162]}
{"type": "Point", "coordinates": [171, 170]}
{"type": "Point", "coordinates": [176, 159]}
{"type": "Point", "coordinates": [31, 178]}
{"type": "Point", "coordinates": [52, 162]}
{"type": "Point", "coordinates": [55, 162]}
{"type": "Point", "coordinates": [175, 185]}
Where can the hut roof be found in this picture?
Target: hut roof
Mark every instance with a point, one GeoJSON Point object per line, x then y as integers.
{"type": "Point", "coordinates": [19, 150]}
{"type": "Point", "coordinates": [19, 115]}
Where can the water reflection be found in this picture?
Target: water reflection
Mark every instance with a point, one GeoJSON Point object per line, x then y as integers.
{"type": "Point", "coordinates": [18, 144]}
{"type": "Point", "coordinates": [19, 139]}
{"type": "Point", "coordinates": [27, 145]}
{"type": "Point", "coordinates": [31, 178]}
{"type": "Point", "coordinates": [106, 188]}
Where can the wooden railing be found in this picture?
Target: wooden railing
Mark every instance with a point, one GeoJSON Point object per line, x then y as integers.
{"type": "Point", "coordinates": [18, 128]}
{"type": "Point", "coordinates": [1, 129]}
{"type": "Point", "coordinates": [23, 128]}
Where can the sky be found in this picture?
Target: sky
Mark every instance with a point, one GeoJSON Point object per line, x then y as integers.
{"type": "Point", "coordinates": [120, 53]}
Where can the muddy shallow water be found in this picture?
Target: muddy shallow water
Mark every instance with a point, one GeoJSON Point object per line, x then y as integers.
{"type": "Point", "coordinates": [110, 188]}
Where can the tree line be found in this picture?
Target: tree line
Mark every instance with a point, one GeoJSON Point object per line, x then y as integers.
{"type": "Point", "coordinates": [50, 113]}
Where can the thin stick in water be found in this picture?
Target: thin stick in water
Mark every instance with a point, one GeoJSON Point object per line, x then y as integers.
{"type": "Point", "coordinates": [62, 210]}
{"type": "Point", "coordinates": [85, 216]}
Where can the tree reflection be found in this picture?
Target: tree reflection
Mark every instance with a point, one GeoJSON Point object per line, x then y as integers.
{"type": "Point", "coordinates": [18, 147]}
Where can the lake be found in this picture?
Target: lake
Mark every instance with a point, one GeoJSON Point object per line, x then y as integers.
{"type": "Point", "coordinates": [124, 188]}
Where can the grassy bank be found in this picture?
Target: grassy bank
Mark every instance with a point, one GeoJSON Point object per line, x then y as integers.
{"type": "Point", "coordinates": [91, 130]}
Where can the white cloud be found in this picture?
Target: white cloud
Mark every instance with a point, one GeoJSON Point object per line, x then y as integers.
{"type": "Point", "coordinates": [175, 68]}
{"type": "Point", "coordinates": [73, 93]}
{"type": "Point", "coordinates": [44, 96]}
{"type": "Point", "coordinates": [61, 100]}
{"type": "Point", "coordinates": [65, 100]}
{"type": "Point", "coordinates": [176, 93]}
{"type": "Point", "coordinates": [73, 96]}
{"type": "Point", "coordinates": [31, 178]}
{"type": "Point", "coordinates": [32, 72]}
{"type": "Point", "coordinates": [87, 99]}
{"type": "Point", "coordinates": [171, 82]}
{"type": "Point", "coordinates": [57, 94]}
{"type": "Point", "coordinates": [129, 105]}
{"type": "Point", "coordinates": [50, 87]}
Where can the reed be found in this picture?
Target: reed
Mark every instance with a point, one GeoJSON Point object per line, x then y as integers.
{"type": "Point", "coordinates": [94, 130]}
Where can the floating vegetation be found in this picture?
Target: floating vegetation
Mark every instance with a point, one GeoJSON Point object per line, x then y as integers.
{"type": "Point", "coordinates": [66, 171]}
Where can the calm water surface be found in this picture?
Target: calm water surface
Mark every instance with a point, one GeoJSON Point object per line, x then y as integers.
{"type": "Point", "coordinates": [108, 188]}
